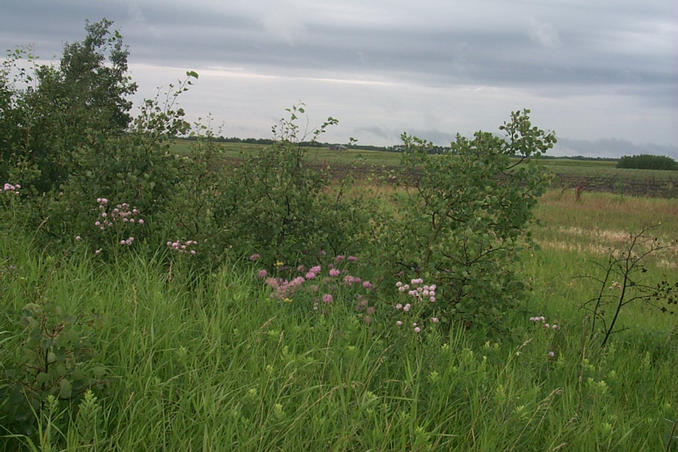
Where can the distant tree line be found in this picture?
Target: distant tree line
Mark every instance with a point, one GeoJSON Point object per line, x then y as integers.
{"type": "Point", "coordinates": [647, 161]}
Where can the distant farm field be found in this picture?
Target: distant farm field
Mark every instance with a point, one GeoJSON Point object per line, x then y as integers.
{"type": "Point", "coordinates": [591, 175]}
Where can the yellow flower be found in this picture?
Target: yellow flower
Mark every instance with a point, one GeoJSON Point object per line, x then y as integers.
{"type": "Point", "coordinates": [287, 300]}
{"type": "Point", "coordinates": [279, 264]}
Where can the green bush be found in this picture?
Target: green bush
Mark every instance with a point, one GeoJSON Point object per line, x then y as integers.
{"type": "Point", "coordinates": [467, 213]}
{"type": "Point", "coordinates": [647, 161]}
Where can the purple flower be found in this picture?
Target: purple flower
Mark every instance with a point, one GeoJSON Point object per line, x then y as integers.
{"type": "Point", "coordinates": [261, 274]}
{"type": "Point", "coordinates": [310, 275]}
{"type": "Point", "coordinates": [351, 258]}
{"type": "Point", "coordinates": [339, 259]}
{"type": "Point", "coordinates": [254, 257]}
{"type": "Point", "coordinates": [367, 284]}
{"type": "Point", "coordinates": [334, 272]}
{"type": "Point", "coordinates": [315, 269]}
{"type": "Point", "coordinates": [327, 298]}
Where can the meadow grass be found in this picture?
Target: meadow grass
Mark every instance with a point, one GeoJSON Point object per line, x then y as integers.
{"type": "Point", "coordinates": [573, 168]}
{"type": "Point", "coordinates": [213, 363]}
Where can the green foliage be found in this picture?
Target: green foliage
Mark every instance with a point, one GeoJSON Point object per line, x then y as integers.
{"type": "Point", "coordinates": [53, 360]}
{"type": "Point", "coordinates": [466, 215]}
{"type": "Point", "coordinates": [53, 112]}
{"type": "Point", "coordinates": [647, 161]}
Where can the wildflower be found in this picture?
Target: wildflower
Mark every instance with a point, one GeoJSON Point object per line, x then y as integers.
{"type": "Point", "coordinates": [339, 259]}
{"type": "Point", "coordinates": [367, 319]}
{"type": "Point", "coordinates": [78, 238]}
{"type": "Point", "coordinates": [407, 307]}
{"type": "Point", "coordinates": [555, 327]}
{"type": "Point", "coordinates": [141, 221]}
{"type": "Point", "coordinates": [399, 322]}
{"type": "Point", "coordinates": [97, 252]}
{"type": "Point", "coordinates": [334, 272]}
{"type": "Point", "coordinates": [310, 275]}
{"type": "Point", "coordinates": [367, 284]}
{"type": "Point", "coordinates": [301, 268]}
{"type": "Point", "coordinates": [417, 281]}
{"type": "Point", "coordinates": [287, 300]}
{"type": "Point", "coordinates": [417, 329]}
{"type": "Point", "coordinates": [546, 325]}
{"type": "Point", "coordinates": [351, 258]}
{"type": "Point", "coordinates": [435, 320]}
{"type": "Point", "coordinates": [315, 269]}
{"type": "Point", "coordinates": [370, 310]}
{"type": "Point", "coordinates": [399, 306]}
{"type": "Point", "coordinates": [399, 284]}
{"type": "Point", "coordinates": [551, 354]}
{"type": "Point", "coordinates": [279, 264]}
{"type": "Point", "coordinates": [261, 274]}
{"type": "Point", "coordinates": [327, 298]}
{"type": "Point", "coordinates": [193, 252]}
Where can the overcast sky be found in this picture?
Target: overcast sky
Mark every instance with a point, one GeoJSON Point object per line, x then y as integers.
{"type": "Point", "coordinates": [603, 74]}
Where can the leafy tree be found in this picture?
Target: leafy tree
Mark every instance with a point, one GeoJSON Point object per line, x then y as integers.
{"type": "Point", "coordinates": [647, 161]}
{"type": "Point", "coordinates": [50, 114]}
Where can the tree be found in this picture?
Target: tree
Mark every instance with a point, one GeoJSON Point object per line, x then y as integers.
{"type": "Point", "coordinates": [66, 107]}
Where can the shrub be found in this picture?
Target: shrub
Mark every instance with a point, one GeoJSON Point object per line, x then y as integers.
{"type": "Point", "coordinates": [647, 161]}
{"type": "Point", "coordinates": [467, 212]}
{"type": "Point", "coordinates": [49, 113]}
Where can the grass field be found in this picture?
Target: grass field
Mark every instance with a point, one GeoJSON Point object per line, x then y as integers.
{"type": "Point", "coordinates": [218, 365]}
{"type": "Point", "coordinates": [598, 174]}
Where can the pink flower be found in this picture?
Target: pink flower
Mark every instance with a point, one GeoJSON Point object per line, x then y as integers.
{"type": "Point", "coordinates": [261, 274]}
{"type": "Point", "coordinates": [98, 251]}
{"type": "Point", "coordinates": [327, 298]}
{"type": "Point", "coordinates": [334, 272]}
{"type": "Point", "coordinates": [399, 306]}
{"type": "Point", "coordinates": [367, 284]}
{"type": "Point", "coordinates": [141, 221]}
{"type": "Point", "coordinates": [399, 284]}
{"type": "Point", "coordinates": [370, 310]}
{"type": "Point", "coordinates": [551, 354]}
{"type": "Point", "coordinates": [367, 319]}
{"type": "Point", "coordinates": [407, 307]}
{"type": "Point", "coordinates": [254, 257]}
{"type": "Point", "coordinates": [555, 327]}
{"type": "Point", "coordinates": [310, 275]}
{"type": "Point", "coordinates": [315, 269]}
{"type": "Point", "coordinates": [399, 322]}
{"type": "Point", "coordinates": [78, 238]}
{"type": "Point", "coordinates": [193, 252]}
{"type": "Point", "coordinates": [435, 320]}
{"type": "Point", "coordinates": [417, 329]}
{"type": "Point", "coordinates": [351, 258]}
{"type": "Point", "coordinates": [339, 259]}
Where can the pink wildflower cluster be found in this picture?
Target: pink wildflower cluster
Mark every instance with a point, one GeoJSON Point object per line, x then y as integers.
{"type": "Point", "coordinates": [319, 283]}
{"type": "Point", "coordinates": [542, 320]}
{"type": "Point", "coordinates": [127, 242]}
{"type": "Point", "coordinates": [182, 247]}
{"type": "Point", "coordinates": [120, 214]}
{"type": "Point", "coordinates": [418, 290]}
{"type": "Point", "coordinates": [417, 293]}
{"type": "Point", "coordinates": [10, 188]}
{"type": "Point", "coordinates": [284, 288]}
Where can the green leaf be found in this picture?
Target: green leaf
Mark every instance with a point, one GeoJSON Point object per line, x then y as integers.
{"type": "Point", "coordinates": [65, 389]}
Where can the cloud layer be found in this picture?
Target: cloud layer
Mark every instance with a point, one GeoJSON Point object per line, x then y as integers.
{"type": "Point", "coordinates": [590, 70]}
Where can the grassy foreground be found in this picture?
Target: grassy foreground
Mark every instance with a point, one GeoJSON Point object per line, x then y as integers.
{"type": "Point", "coordinates": [215, 364]}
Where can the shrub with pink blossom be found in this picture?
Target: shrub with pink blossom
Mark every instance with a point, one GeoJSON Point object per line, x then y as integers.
{"type": "Point", "coordinates": [416, 306]}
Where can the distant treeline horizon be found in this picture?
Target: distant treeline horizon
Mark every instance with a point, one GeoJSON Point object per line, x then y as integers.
{"type": "Point", "coordinates": [435, 149]}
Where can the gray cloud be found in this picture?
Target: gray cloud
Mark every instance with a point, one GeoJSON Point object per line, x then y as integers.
{"type": "Point", "coordinates": [594, 70]}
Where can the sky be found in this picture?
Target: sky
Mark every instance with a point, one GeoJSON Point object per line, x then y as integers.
{"type": "Point", "coordinates": [602, 74]}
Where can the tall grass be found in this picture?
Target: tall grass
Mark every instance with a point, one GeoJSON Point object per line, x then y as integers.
{"type": "Point", "coordinates": [213, 363]}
